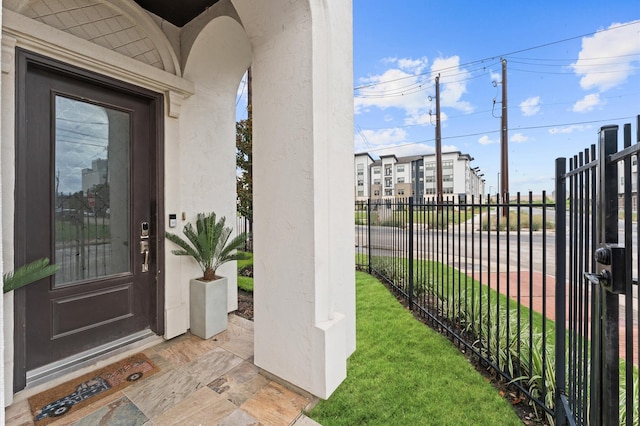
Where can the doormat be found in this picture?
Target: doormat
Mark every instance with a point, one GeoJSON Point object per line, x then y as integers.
{"type": "Point", "coordinates": [54, 403]}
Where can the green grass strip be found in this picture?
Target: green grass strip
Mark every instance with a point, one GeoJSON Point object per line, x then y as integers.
{"type": "Point", "coordinates": [403, 372]}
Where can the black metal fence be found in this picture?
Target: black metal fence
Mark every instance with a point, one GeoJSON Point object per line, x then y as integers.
{"type": "Point", "coordinates": [478, 271]}
{"type": "Point", "coordinates": [547, 299]}
{"type": "Point", "coordinates": [245, 224]}
{"type": "Point", "coordinates": [599, 348]}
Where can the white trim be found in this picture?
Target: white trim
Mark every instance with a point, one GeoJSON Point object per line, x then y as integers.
{"type": "Point", "coordinates": [8, 54]}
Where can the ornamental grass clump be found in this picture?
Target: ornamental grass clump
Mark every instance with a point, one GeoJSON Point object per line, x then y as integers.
{"type": "Point", "coordinates": [208, 243]}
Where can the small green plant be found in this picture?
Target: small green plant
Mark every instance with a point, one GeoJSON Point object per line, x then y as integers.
{"type": "Point", "coordinates": [208, 243]}
{"type": "Point", "coordinates": [27, 274]}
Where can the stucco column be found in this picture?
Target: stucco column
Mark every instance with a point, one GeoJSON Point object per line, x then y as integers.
{"type": "Point", "coordinates": [2, 339]}
{"type": "Point", "coordinates": [304, 297]}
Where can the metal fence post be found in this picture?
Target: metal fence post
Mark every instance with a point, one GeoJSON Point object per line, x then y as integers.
{"type": "Point", "coordinates": [410, 260]}
{"type": "Point", "coordinates": [561, 287]}
{"type": "Point", "coordinates": [608, 233]}
{"type": "Point", "coordinates": [369, 235]}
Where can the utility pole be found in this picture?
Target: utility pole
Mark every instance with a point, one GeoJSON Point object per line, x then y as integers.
{"type": "Point", "coordinates": [438, 143]}
{"type": "Point", "coordinates": [504, 148]}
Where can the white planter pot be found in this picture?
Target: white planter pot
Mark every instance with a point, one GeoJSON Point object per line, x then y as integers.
{"type": "Point", "coordinates": [208, 307]}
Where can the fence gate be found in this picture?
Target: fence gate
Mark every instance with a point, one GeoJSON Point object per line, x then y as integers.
{"type": "Point", "coordinates": [597, 311]}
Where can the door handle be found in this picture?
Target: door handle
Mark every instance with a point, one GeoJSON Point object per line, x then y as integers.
{"type": "Point", "coordinates": [144, 245]}
{"type": "Point", "coordinates": [144, 251]}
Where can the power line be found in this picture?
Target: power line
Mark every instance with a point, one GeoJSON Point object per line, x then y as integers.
{"type": "Point", "coordinates": [491, 58]}
{"type": "Point", "coordinates": [498, 131]}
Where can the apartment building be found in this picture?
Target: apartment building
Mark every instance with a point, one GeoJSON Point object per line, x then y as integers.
{"type": "Point", "coordinates": [400, 177]}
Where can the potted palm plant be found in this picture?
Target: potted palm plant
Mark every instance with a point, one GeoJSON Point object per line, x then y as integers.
{"type": "Point", "coordinates": [210, 245]}
{"type": "Point", "coordinates": [26, 274]}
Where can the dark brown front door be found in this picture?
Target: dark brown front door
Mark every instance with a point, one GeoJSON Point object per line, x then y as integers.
{"type": "Point", "coordinates": [87, 183]}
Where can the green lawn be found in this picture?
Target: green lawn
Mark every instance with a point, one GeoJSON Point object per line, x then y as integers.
{"type": "Point", "coordinates": [245, 283]}
{"type": "Point", "coordinates": [403, 372]}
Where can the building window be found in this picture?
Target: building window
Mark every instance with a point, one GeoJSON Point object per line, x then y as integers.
{"type": "Point", "coordinates": [376, 181]}
{"type": "Point", "coordinates": [360, 182]}
{"type": "Point", "coordinates": [387, 182]}
{"type": "Point", "coordinates": [360, 193]}
{"type": "Point", "coordinates": [430, 166]}
{"type": "Point", "coordinates": [388, 170]}
{"type": "Point", "coordinates": [400, 169]}
{"type": "Point", "coordinates": [376, 170]}
{"type": "Point", "coordinates": [400, 191]}
{"type": "Point", "coordinates": [400, 180]}
{"type": "Point", "coordinates": [388, 192]}
{"type": "Point", "coordinates": [447, 164]}
{"type": "Point", "coordinates": [376, 192]}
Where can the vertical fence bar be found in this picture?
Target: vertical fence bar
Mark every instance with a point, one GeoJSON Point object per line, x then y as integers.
{"type": "Point", "coordinates": [628, 296]}
{"type": "Point", "coordinates": [608, 233]}
{"type": "Point", "coordinates": [561, 255]}
{"type": "Point", "coordinates": [594, 306]}
{"type": "Point", "coordinates": [369, 243]}
{"type": "Point", "coordinates": [410, 254]}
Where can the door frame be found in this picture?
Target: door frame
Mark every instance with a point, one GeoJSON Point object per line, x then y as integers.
{"type": "Point", "coordinates": [24, 59]}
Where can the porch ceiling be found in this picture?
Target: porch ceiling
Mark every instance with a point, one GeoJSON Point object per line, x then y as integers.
{"type": "Point", "coordinates": [178, 13]}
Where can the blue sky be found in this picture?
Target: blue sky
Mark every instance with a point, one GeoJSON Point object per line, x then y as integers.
{"type": "Point", "coordinates": [572, 67]}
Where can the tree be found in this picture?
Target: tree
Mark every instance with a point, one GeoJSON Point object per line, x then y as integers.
{"type": "Point", "coordinates": [244, 181]}
{"type": "Point", "coordinates": [244, 159]}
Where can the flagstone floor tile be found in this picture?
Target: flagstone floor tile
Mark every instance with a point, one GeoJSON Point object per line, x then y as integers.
{"type": "Point", "coordinates": [18, 414]}
{"type": "Point", "coordinates": [275, 405]}
{"type": "Point", "coordinates": [238, 340]}
{"type": "Point", "coordinates": [159, 393]}
{"type": "Point", "coordinates": [121, 412]}
{"type": "Point", "coordinates": [240, 384]}
{"type": "Point", "coordinates": [202, 407]}
{"type": "Point", "coordinates": [239, 418]}
{"type": "Point", "coordinates": [200, 382]}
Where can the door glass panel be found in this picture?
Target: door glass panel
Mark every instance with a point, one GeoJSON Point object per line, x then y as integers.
{"type": "Point", "coordinates": [91, 185]}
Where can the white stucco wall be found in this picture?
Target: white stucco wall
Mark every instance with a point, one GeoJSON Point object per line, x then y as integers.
{"type": "Point", "coordinates": [2, 333]}
{"type": "Point", "coordinates": [303, 213]}
{"type": "Point", "coordinates": [217, 61]}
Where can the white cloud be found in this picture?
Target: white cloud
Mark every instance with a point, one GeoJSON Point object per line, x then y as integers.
{"type": "Point", "coordinates": [518, 138]}
{"type": "Point", "coordinates": [415, 66]}
{"type": "Point", "coordinates": [395, 88]}
{"type": "Point", "coordinates": [405, 150]}
{"type": "Point", "coordinates": [486, 140]}
{"type": "Point", "coordinates": [608, 57]}
{"type": "Point", "coordinates": [588, 103]}
{"type": "Point", "coordinates": [495, 77]}
{"type": "Point", "coordinates": [405, 86]}
{"type": "Point", "coordinates": [427, 118]}
{"type": "Point", "coordinates": [569, 129]}
{"type": "Point", "coordinates": [418, 148]}
{"type": "Point", "coordinates": [453, 83]}
{"type": "Point", "coordinates": [530, 106]}
{"type": "Point", "coordinates": [372, 139]}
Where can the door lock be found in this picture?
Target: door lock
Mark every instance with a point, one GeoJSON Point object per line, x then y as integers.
{"type": "Point", "coordinates": [144, 245]}
{"type": "Point", "coordinates": [610, 262]}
